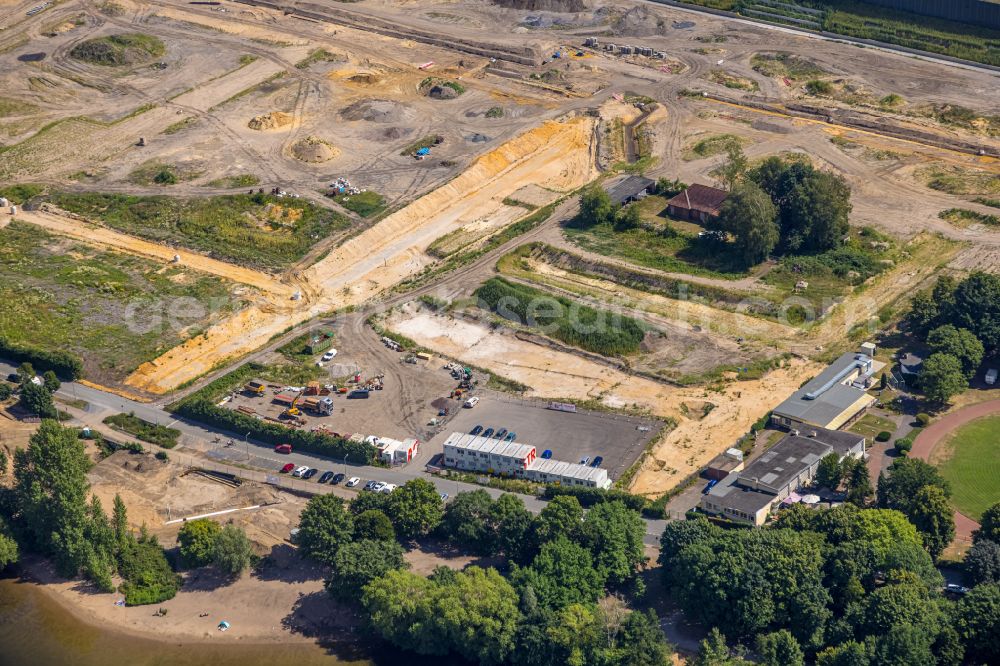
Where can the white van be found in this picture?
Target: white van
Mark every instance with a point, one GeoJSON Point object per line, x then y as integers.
{"type": "Point", "coordinates": [472, 402]}
{"type": "Point", "coordinates": [991, 376]}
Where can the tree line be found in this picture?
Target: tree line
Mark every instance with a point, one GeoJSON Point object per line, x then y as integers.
{"type": "Point", "coordinates": [960, 324]}
{"type": "Point", "coordinates": [557, 598]}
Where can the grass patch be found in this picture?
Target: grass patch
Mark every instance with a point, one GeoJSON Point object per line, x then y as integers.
{"type": "Point", "coordinates": [15, 107]}
{"type": "Point", "coordinates": [428, 141]}
{"type": "Point", "coordinates": [709, 146]}
{"type": "Point", "coordinates": [317, 56]}
{"type": "Point", "coordinates": [494, 112]}
{"type": "Point", "coordinates": [111, 309]}
{"type": "Point", "coordinates": [158, 173]}
{"type": "Point", "coordinates": [365, 204]}
{"type": "Point", "coordinates": [599, 331]}
{"type": "Point", "coordinates": [174, 128]}
{"type": "Point", "coordinates": [986, 201]}
{"type": "Point", "coordinates": [246, 59]}
{"type": "Point", "coordinates": [786, 65]}
{"type": "Point", "coordinates": [972, 466]}
{"type": "Point", "coordinates": [144, 430]}
{"type": "Point", "coordinates": [256, 230]}
{"type": "Point", "coordinates": [732, 81]}
{"type": "Point", "coordinates": [962, 217]}
{"type": "Point", "coordinates": [872, 424]}
{"type": "Point", "coordinates": [117, 50]}
{"type": "Point", "coordinates": [239, 180]}
{"type": "Point", "coordinates": [666, 250]}
{"type": "Point", "coordinates": [959, 180]}
{"type": "Point", "coordinates": [22, 192]}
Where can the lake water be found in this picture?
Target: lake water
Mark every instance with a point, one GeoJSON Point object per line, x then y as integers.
{"type": "Point", "coordinates": [36, 631]}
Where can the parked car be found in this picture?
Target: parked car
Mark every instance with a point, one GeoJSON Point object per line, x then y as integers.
{"type": "Point", "coordinates": [13, 378]}
{"type": "Point", "coordinates": [501, 433]}
{"type": "Point", "coordinates": [337, 478]}
{"type": "Point", "coordinates": [546, 454]}
{"type": "Point", "coordinates": [299, 471]}
{"type": "Point", "coordinates": [326, 477]}
{"type": "Point", "coordinates": [488, 432]}
{"type": "Point", "coordinates": [991, 376]}
{"type": "Point", "coordinates": [597, 461]}
{"type": "Point", "coordinates": [511, 436]}
{"type": "Point", "coordinates": [358, 393]}
{"type": "Point", "coordinates": [288, 468]}
{"type": "Point", "coordinates": [353, 481]}
{"type": "Point", "coordinates": [955, 588]}
{"type": "Point", "coordinates": [584, 460]}
{"type": "Point", "coordinates": [387, 488]}
{"type": "Point", "coordinates": [370, 485]}
{"type": "Point", "coordinates": [310, 473]}
{"type": "Point", "coordinates": [329, 355]}
{"type": "Point", "coordinates": [444, 497]}
{"type": "Point", "coordinates": [475, 431]}
{"type": "Point", "coordinates": [283, 448]}
{"type": "Point", "coordinates": [708, 487]}
{"type": "Point", "coordinates": [379, 485]}
{"type": "Point", "coordinates": [471, 402]}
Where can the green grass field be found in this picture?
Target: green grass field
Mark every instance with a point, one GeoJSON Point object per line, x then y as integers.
{"type": "Point", "coordinates": [973, 466]}
{"type": "Point", "coordinates": [112, 310]}
{"type": "Point", "coordinates": [258, 230]}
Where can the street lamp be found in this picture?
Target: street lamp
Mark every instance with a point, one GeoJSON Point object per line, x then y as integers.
{"type": "Point", "coordinates": [346, 455]}
{"type": "Point", "coordinates": [246, 442]}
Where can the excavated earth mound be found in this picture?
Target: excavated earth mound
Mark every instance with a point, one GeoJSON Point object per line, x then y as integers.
{"type": "Point", "coordinates": [378, 111]}
{"type": "Point", "coordinates": [270, 121]}
{"type": "Point", "coordinates": [313, 150]}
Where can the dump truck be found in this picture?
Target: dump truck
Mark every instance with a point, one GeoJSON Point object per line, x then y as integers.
{"type": "Point", "coordinates": [319, 405]}
{"type": "Point", "coordinates": [255, 388]}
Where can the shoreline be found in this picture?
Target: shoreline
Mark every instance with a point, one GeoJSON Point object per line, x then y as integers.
{"type": "Point", "coordinates": [97, 610]}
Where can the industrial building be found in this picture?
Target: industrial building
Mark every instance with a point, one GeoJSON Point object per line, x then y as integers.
{"type": "Point", "coordinates": [484, 454]}
{"type": "Point", "coordinates": [835, 397]}
{"type": "Point", "coordinates": [749, 495]}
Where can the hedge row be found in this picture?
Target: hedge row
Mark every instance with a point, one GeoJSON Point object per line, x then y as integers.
{"type": "Point", "coordinates": [67, 366]}
{"type": "Point", "coordinates": [203, 411]}
{"type": "Point", "coordinates": [591, 496]}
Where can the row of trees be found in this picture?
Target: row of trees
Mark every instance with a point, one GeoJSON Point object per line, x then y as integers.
{"type": "Point", "coordinates": [960, 323]}
{"type": "Point", "coordinates": [550, 606]}
{"type": "Point", "coordinates": [842, 586]}
{"type": "Point", "coordinates": [47, 511]}
{"type": "Point", "coordinates": [791, 207]}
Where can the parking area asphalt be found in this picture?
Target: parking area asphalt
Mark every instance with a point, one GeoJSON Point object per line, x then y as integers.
{"type": "Point", "coordinates": [571, 437]}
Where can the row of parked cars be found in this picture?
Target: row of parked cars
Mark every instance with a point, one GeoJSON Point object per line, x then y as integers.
{"type": "Point", "coordinates": [496, 433]}
{"type": "Point", "coordinates": [307, 472]}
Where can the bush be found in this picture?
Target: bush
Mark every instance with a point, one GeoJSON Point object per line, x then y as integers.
{"type": "Point", "coordinates": [883, 436]}
{"type": "Point", "coordinates": [144, 430]}
{"type": "Point", "coordinates": [819, 87]}
{"type": "Point", "coordinates": [903, 445]}
{"type": "Point", "coordinates": [598, 331]}
{"type": "Point", "coordinates": [162, 455]}
{"type": "Point", "coordinates": [66, 366]}
{"type": "Point", "coordinates": [148, 576]}
{"type": "Point", "coordinates": [591, 496]}
{"type": "Point", "coordinates": [922, 419]}
{"type": "Point", "coordinates": [5, 392]}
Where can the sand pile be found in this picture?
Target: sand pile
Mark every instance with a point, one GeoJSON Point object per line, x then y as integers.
{"type": "Point", "coordinates": [442, 92]}
{"type": "Point", "coordinates": [639, 22]}
{"type": "Point", "coordinates": [377, 111]}
{"type": "Point", "coordinates": [313, 150]}
{"type": "Point", "coordinates": [270, 121]}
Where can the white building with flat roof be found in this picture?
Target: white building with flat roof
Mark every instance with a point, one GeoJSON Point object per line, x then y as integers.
{"type": "Point", "coordinates": [473, 453]}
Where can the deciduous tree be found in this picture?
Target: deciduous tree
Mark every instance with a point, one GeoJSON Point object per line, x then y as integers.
{"type": "Point", "coordinates": [960, 343]}
{"type": "Point", "coordinates": [324, 526]}
{"type": "Point", "coordinates": [749, 215]}
{"type": "Point", "coordinates": [416, 508]}
{"type": "Point", "coordinates": [360, 562]}
{"type": "Point", "coordinates": [197, 541]}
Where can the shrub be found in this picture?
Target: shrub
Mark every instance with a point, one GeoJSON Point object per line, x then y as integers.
{"type": "Point", "coordinates": [922, 419]}
{"type": "Point", "coordinates": [903, 445]}
{"type": "Point", "coordinates": [144, 430]}
{"type": "Point", "coordinates": [203, 411]}
{"type": "Point", "coordinates": [162, 455]}
{"type": "Point", "coordinates": [819, 87]}
{"type": "Point", "coordinates": [591, 496]}
{"type": "Point", "coordinates": [148, 576]}
{"type": "Point", "coordinates": [883, 436]}
{"type": "Point", "coordinates": [66, 366]}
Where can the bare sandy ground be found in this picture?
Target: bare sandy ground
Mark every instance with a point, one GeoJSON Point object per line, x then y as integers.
{"type": "Point", "coordinates": [555, 374]}
{"type": "Point", "coordinates": [556, 155]}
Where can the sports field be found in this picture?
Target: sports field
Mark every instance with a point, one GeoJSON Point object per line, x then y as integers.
{"type": "Point", "coordinates": [970, 460]}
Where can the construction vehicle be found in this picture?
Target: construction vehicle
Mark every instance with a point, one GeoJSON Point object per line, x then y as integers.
{"type": "Point", "coordinates": [255, 388]}
{"type": "Point", "coordinates": [292, 412]}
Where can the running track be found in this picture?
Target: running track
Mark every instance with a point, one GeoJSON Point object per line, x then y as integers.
{"type": "Point", "coordinates": [935, 432]}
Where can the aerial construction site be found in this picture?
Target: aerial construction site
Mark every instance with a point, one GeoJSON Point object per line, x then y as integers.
{"type": "Point", "coordinates": [193, 186]}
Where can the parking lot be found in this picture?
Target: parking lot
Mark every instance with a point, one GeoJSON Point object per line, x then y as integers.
{"type": "Point", "coordinates": [570, 436]}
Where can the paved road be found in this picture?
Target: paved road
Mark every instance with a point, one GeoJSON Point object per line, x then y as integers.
{"type": "Point", "coordinates": [197, 439]}
{"type": "Point", "coordinates": [932, 435]}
